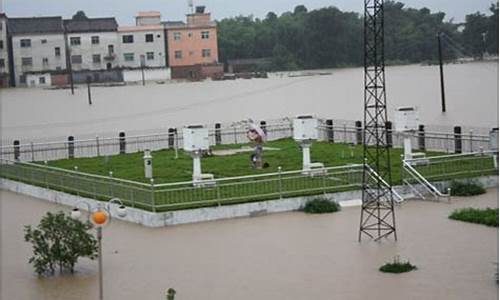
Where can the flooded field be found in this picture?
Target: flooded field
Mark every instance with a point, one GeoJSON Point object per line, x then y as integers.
{"type": "Point", "coordinates": [283, 256]}
{"type": "Point", "coordinates": [40, 115]}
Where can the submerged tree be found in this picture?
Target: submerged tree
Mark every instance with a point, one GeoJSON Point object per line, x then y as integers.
{"type": "Point", "coordinates": [58, 242]}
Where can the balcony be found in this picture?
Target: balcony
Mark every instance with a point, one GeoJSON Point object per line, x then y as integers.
{"type": "Point", "coordinates": [110, 57]}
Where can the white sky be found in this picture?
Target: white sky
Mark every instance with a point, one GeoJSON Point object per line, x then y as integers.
{"type": "Point", "coordinates": [124, 10]}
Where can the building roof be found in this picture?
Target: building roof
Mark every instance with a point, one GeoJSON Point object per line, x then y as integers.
{"type": "Point", "coordinates": [148, 14]}
{"type": "Point", "coordinates": [140, 28]}
{"type": "Point", "coordinates": [91, 25]}
{"type": "Point", "coordinates": [173, 24]}
{"type": "Point", "coordinates": [35, 25]}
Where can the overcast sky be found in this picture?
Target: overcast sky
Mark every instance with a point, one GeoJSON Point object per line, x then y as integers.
{"type": "Point", "coordinates": [124, 10]}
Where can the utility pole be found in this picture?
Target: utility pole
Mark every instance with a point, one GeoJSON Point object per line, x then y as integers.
{"type": "Point", "coordinates": [143, 62]}
{"type": "Point", "coordinates": [89, 80]}
{"type": "Point", "coordinates": [484, 45]}
{"type": "Point", "coordinates": [69, 64]}
{"type": "Point", "coordinates": [440, 54]}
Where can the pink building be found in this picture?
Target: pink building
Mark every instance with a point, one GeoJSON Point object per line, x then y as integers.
{"type": "Point", "coordinates": [192, 47]}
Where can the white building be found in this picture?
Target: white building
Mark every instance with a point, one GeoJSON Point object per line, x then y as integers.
{"type": "Point", "coordinates": [92, 43]}
{"type": "Point", "coordinates": [38, 47]}
{"type": "Point", "coordinates": [4, 54]}
{"type": "Point", "coordinates": [144, 43]}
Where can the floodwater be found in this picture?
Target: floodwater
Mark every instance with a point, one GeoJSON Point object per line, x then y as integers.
{"type": "Point", "coordinates": [39, 114]}
{"type": "Point", "coordinates": [282, 256]}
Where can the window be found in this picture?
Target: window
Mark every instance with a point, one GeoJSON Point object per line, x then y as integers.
{"type": "Point", "coordinates": [190, 34]}
{"type": "Point", "coordinates": [45, 61]}
{"type": "Point", "coordinates": [74, 41]}
{"type": "Point", "coordinates": [128, 56]}
{"type": "Point", "coordinates": [43, 41]}
{"type": "Point", "coordinates": [27, 61]}
{"type": "Point", "coordinates": [111, 49]}
{"type": "Point", "coordinates": [22, 79]}
{"type": "Point", "coordinates": [1, 44]}
{"type": "Point", "coordinates": [25, 43]}
{"type": "Point", "coordinates": [205, 52]}
{"type": "Point", "coordinates": [96, 58]}
{"type": "Point", "coordinates": [149, 38]}
{"type": "Point", "coordinates": [178, 54]}
{"type": "Point", "coordinates": [76, 59]}
{"type": "Point", "coordinates": [128, 39]}
{"type": "Point", "coordinates": [150, 55]}
{"type": "Point", "coordinates": [95, 40]}
{"type": "Point", "coordinates": [58, 68]}
{"type": "Point", "coordinates": [41, 80]}
{"type": "Point", "coordinates": [177, 36]}
{"type": "Point", "coordinates": [205, 35]}
{"type": "Point", "coordinates": [57, 51]}
{"type": "Point", "coordinates": [2, 63]}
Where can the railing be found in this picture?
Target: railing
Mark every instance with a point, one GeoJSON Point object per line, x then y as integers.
{"type": "Point", "coordinates": [423, 171]}
{"type": "Point", "coordinates": [171, 196]}
{"type": "Point", "coordinates": [235, 134]}
{"type": "Point", "coordinates": [375, 176]}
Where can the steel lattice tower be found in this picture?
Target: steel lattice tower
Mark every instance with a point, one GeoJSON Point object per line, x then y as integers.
{"type": "Point", "coordinates": [377, 211]}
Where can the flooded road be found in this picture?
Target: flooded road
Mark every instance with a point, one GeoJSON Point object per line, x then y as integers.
{"type": "Point", "coordinates": [38, 114]}
{"type": "Point", "coordinates": [283, 256]}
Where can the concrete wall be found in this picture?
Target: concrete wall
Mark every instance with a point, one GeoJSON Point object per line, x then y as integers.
{"type": "Point", "coordinates": [38, 51]}
{"type": "Point", "coordinates": [149, 74]}
{"type": "Point", "coordinates": [115, 75]}
{"type": "Point", "coordinates": [86, 49]}
{"type": "Point", "coordinates": [149, 219]}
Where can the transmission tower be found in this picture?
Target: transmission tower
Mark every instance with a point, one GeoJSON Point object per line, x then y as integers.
{"type": "Point", "coordinates": [377, 211]}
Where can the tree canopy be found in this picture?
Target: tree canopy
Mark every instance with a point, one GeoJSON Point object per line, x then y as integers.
{"type": "Point", "coordinates": [329, 37]}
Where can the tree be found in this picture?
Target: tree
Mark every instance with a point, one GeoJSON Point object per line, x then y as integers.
{"type": "Point", "coordinates": [299, 9]}
{"type": "Point", "coordinates": [80, 15]}
{"type": "Point", "coordinates": [59, 241]}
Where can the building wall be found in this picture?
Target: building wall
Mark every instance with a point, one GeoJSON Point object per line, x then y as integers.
{"type": "Point", "coordinates": [38, 51]}
{"type": "Point", "coordinates": [4, 54]}
{"type": "Point", "coordinates": [149, 74]}
{"type": "Point", "coordinates": [141, 47]}
{"type": "Point", "coordinates": [38, 80]}
{"type": "Point", "coordinates": [86, 49]}
{"type": "Point", "coordinates": [191, 45]}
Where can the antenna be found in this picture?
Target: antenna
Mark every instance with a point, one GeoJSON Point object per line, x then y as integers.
{"type": "Point", "coordinates": [190, 6]}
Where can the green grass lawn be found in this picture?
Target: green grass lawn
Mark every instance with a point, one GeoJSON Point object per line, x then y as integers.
{"type": "Point", "coordinates": [488, 216]}
{"type": "Point", "coordinates": [167, 169]}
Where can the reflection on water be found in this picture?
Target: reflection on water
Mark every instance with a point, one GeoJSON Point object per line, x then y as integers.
{"type": "Point", "coordinates": [282, 256]}
{"type": "Point", "coordinates": [37, 114]}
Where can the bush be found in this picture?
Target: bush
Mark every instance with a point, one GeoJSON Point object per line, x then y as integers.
{"type": "Point", "coordinates": [466, 189]}
{"type": "Point", "coordinates": [58, 241]}
{"type": "Point", "coordinates": [321, 206]}
{"type": "Point", "coordinates": [488, 216]}
{"type": "Point", "coordinates": [397, 266]}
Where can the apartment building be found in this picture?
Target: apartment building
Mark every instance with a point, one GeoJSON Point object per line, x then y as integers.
{"type": "Point", "coordinates": [192, 46]}
{"type": "Point", "coordinates": [143, 44]}
{"type": "Point", "coordinates": [4, 53]}
{"type": "Point", "coordinates": [38, 49]}
{"type": "Point", "coordinates": [92, 43]}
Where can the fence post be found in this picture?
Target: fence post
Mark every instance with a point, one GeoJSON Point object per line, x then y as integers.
{"type": "Point", "coordinates": [280, 183]}
{"type": "Point", "coordinates": [218, 137]}
{"type": "Point", "coordinates": [359, 132]}
{"type": "Point", "coordinates": [458, 139]}
{"type": "Point", "coordinates": [329, 131]}
{"type": "Point", "coordinates": [153, 204]}
{"type": "Point", "coordinates": [421, 137]}
{"type": "Point", "coordinates": [71, 147]}
{"type": "Point", "coordinates": [388, 128]}
{"type": "Point", "coordinates": [123, 142]}
{"type": "Point", "coordinates": [471, 136]}
{"type": "Point", "coordinates": [32, 152]}
{"type": "Point", "coordinates": [17, 149]}
{"type": "Point", "coordinates": [171, 138]}
{"type": "Point", "coordinates": [97, 146]}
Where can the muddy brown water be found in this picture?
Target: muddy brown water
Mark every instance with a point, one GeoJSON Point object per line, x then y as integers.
{"type": "Point", "coordinates": [282, 256]}
{"type": "Point", "coordinates": [41, 115]}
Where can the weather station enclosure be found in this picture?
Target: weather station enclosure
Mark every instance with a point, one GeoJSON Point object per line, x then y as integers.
{"type": "Point", "coordinates": [406, 119]}
{"type": "Point", "coordinates": [305, 131]}
{"type": "Point", "coordinates": [195, 142]}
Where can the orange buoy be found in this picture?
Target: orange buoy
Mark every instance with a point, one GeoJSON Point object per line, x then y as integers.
{"type": "Point", "coordinates": [99, 217]}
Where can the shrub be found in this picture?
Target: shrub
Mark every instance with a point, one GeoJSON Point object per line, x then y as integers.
{"type": "Point", "coordinates": [488, 216]}
{"type": "Point", "coordinates": [321, 206]}
{"type": "Point", "coordinates": [397, 266]}
{"type": "Point", "coordinates": [466, 189]}
{"type": "Point", "coordinates": [58, 241]}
